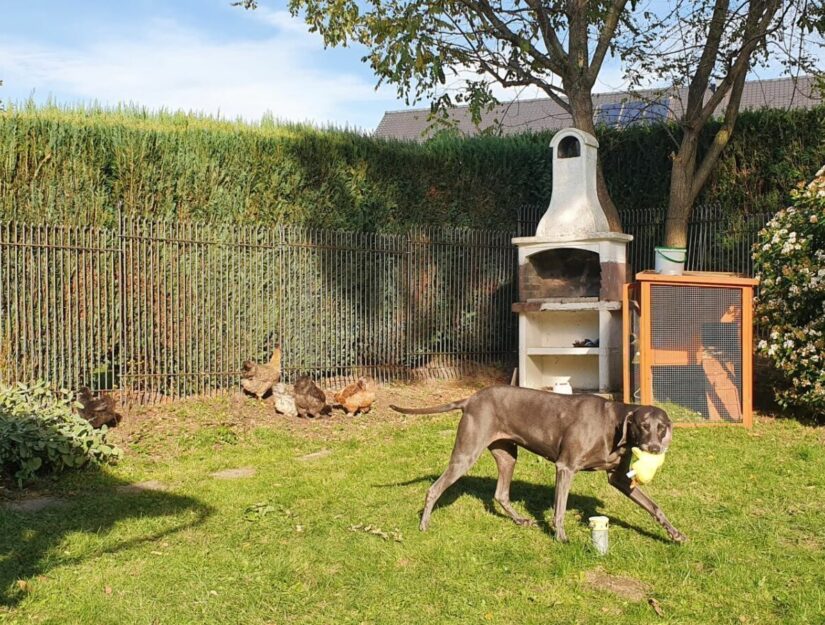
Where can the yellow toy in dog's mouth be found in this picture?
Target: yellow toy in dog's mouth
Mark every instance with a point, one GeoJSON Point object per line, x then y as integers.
{"type": "Point", "coordinates": [644, 465]}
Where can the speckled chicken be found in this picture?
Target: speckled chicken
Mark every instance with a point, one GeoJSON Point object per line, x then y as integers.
{"type": "Point", "coordinates": [310, 400]}
{"type": "Point", "coordinates": [357, 397]}
{"type": "Point", "coordinates": [258, 379]}
{"type": "Point", "coordinates": [98, 411]}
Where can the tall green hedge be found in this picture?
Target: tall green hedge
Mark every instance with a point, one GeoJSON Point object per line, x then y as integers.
{"type": "Point", "coordinates": [770, 150]}
{"type": "Point", "coordinates": [81, 165]}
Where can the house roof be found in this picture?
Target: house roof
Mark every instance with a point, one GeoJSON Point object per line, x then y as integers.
{"type": "Point", "coordinates": [618, 108]}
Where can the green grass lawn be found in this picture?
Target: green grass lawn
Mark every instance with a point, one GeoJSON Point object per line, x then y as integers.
{"type": "Point", "coordinates": [290, 545]}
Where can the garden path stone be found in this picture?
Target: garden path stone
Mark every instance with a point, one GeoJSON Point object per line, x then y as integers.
{"type": "Point", "coordinates": [316, 454]}
{"type": "Point", "coordinates": [141, 487]}
{"type": "Point", "coordinates": [35, 504]}
{"type": "Point", "coordinates": [234, 474]}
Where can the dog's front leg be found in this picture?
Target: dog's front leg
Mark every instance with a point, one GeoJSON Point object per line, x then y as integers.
{"type": "Point", "coordinates": [564, 477]}
{"type": "Point", "coordinates": [623, 484]}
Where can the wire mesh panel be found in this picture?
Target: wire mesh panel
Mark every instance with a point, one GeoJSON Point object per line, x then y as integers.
{"type": "Point", "coordinates": [721, 241]}
{"type": "Point", "coordinates": [197, 300]}
{"type": "Point", "coordinates": [162, 309]}
{"type": "Point", "coordinates": [462, 286]}
{"type": "Point", "coordinates": [696, 352]}
{"type": "Point", "coordinates": [343, 298]}
{"type": "Point", "coordinates": [58, 304]}
{"type": "Point", "coordinates": [165, 309]}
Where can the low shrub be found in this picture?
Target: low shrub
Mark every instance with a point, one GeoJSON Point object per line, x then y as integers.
{"type": "Point", "coordinates": [40, 433]}
{"type": "Point", "coordinates": [789, 260]}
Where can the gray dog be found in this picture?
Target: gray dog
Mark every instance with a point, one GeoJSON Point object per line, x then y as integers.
{"type": "Point", "coordinates": [577, 432]}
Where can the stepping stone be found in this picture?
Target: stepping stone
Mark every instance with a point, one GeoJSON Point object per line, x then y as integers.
{"type": "Point", "coordinates": [316, 454]}
{"type": "Point", "coordinates": [234, 474]}
{"type": "Point", "coordinates": [142, 487]}
{"type": "Point", "coordinates": [34, 504]}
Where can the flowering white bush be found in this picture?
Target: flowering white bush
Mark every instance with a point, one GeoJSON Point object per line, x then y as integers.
{"type": "Point", "coordinates": [789, 259]}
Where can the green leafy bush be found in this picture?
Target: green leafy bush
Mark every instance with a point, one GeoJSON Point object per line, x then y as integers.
{"type": "Point", "coordinates": [789, 260]}
{"type": "Point", "coordinates": [39, 432]}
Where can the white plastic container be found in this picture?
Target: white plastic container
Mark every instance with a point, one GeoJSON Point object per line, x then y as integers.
{"type": "Point", "coordinates": [670, 260]}
{"type": "Point", "coordinates": [562, 386]}
{"type": "Point", "coordinates": [598, 533]}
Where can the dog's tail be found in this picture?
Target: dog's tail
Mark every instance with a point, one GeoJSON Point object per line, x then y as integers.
{"type": "Point", "coordinates": [432, 410]}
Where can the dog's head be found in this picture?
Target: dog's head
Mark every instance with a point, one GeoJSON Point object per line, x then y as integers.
{"type": "Point", "coordinates": [648, 428]}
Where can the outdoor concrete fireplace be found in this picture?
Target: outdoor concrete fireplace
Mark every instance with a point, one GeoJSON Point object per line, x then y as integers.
{"type": "Point", "coordinates": [571, 275]}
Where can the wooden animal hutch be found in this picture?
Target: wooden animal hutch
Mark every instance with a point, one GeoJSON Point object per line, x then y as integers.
{"type": "Point", "coordinates": [688, 346]}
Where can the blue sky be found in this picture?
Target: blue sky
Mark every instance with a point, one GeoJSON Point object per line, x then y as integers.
{"type": "Point", "coordinates": [184, 54]}
{"type": "Point", "coordinates": [195, 55]}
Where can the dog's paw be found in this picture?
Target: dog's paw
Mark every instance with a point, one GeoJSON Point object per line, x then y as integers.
{"type": "Point", "coordinates": [525, 522]}
{"type": "Point", "coordinates": [678, 537]}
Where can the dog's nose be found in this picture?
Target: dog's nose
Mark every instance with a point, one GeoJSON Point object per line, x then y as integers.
{"type": "Point", "coordinates": [654, 448]}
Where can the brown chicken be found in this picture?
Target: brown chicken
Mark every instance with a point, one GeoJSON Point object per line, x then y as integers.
{"type": "Point", "coordinates": [258, 379]}
{"type": "Point", "coordinates": [310, 400]}
{"type": "Point", "coordinates": [357, 397]}
{"type": "Point", "coordinates": [98, 411]}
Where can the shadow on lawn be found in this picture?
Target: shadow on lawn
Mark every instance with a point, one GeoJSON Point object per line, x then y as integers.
{"type": "Point", "coordinates": [537, 500]}
{"type": "Point", "coordinates": [30, 540]}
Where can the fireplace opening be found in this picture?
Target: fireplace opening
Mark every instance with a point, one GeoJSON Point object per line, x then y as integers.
{"type": "Point", "coordinates": [565, 272]}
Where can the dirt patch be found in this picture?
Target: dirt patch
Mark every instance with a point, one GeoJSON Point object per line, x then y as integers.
{"type": "Point", "coordinates": [35, 504]}
{"type": "Point", "coordinates": [234, 474]}
{"type": "Point", "coordinates": [417, 394]}
{"type": "Point", "coordinates": [625, 587]}
{"type": "Point", "coordinates": [169, 428]}
{"type": "Point", "coordinates": [142, 487]}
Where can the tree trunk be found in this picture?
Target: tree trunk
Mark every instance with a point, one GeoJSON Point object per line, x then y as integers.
{"type": "Point", "coordinates": [581, 106]}
{"type": "Point", "coordinates": [610, 210]}
{"type": "Point", "coordinates": [682, 197]}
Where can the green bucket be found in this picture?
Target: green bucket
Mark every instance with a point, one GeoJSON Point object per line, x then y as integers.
{"type": "Point", "coordinates": [670, 260]}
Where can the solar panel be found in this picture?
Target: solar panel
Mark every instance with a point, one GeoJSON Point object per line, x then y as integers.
{"type": "Point", "coordinates": [632, 112]}
{"type": "Point", "coordinates": [628, 113]}
{"type": "Point", "coordinates": [658, 111]}
{"type": "Point", "coordinates": [608, 114]}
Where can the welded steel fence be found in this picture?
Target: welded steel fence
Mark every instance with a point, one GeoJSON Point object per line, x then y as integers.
{"type": "Point", "coordinates": [158, 309]}
{"type": "Point", "coordinates": [59, 304]}
{"type": "Point", "coordinates": [717, 239]}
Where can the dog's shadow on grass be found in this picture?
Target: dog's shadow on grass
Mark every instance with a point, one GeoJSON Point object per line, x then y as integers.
{"type": "Point", "coordinates": [32, 538]}
{"type": "Point", "coordinates": [536, 500]}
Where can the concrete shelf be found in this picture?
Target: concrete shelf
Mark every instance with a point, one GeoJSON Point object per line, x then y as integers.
{"type": "Point", "coordinates": [562, 351]}
{"type": "Point", "coordinates": [563, 305]}
{"type": "Point", "coordinates": [547, 337]}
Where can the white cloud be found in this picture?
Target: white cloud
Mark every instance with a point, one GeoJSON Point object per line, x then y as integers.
{"type": "Point", "coordinates": [286, 74]}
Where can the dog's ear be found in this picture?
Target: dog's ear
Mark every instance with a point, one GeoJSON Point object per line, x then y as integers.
{"type": "Point", "coordinates": [621, 430]}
